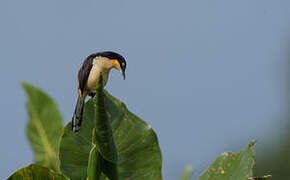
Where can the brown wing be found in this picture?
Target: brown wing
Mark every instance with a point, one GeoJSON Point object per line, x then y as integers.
{"type": "Point", "coordinates": [84, 72]}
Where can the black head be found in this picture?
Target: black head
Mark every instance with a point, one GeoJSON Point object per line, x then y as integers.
{"type": "Point", "coordinates": [114, 56]}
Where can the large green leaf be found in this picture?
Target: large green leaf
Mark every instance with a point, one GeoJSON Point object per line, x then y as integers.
{"type": "Point", "coordinates": [137, 145]}
{"type": "Point", "coordinates": [232, 166]}
{"type": "Point", "coordinates": [36, 172]}
{"type": "Point", "coordinates": [44, 127]}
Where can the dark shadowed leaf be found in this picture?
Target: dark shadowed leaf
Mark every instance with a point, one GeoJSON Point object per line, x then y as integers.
{"type": "Point", "coordinates": [44, 127]}
{"type": "Point", "coordinates": [137, 145]}
{"type": "Point", "coordinates": [36, 172]}
{"type": "Point", "coordinates": [232, 166]}
{"type": "Point", "coordinates": [268, 177]}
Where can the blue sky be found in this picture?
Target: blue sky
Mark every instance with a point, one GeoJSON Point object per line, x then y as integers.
{"type": "Point", "coordinates": [209, 76]}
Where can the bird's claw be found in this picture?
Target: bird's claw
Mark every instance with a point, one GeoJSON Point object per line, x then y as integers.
{"type": "Point", "coordinates": [92, 93]}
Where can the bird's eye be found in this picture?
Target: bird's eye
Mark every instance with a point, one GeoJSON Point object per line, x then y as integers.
{"type": "Point", "coordinates": [123, 64]}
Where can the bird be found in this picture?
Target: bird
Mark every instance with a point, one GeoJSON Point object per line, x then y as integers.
{"type": "Point", "coordinates": [88, 74]}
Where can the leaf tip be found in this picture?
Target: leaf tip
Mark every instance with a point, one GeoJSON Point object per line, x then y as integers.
{"type": "Point", "coordinates": [100, 81]}
{"type": "Point", "coordinates": [252, 143]}
{"type": "Point", "coordinates": [24, 84]}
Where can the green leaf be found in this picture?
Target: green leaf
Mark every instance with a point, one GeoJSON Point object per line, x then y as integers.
{"type": "Point", "coordinates": [232, 166]}
{"type": "Point", "coordinates": [94, 164]}
{"type": "Point", "coordinates": [104, 135]}
{"type": "Point", "coordinates": [109, 169]}
{"type": "Point", "coordinates": [36, 172]}
{"type": "Point", "coordinates": [75, 147]}
{"type": "Point", "coordinates": [136, 142]}
{"type": "Point", "coordinates": [187, 173]}
{"type": "Point", "coordinates": [44, 127]}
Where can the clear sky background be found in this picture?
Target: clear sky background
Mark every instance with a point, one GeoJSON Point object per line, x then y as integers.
{"type": "Point", "coordinates": [208, 75]}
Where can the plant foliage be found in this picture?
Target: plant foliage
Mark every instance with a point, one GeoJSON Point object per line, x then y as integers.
{"type": "Point", "coordinates": [36, 172]}
{"type": "Point", "coordinates": [232, 166]}
{"type": "Point", "coordinates": [136, 143]}
{"type": "Point", "coordinates": [113, 143]}
{"type": "Point", "coordinates": [44, 127]}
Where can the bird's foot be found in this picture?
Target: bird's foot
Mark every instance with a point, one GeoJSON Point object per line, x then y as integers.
{"type": "Point", "coordinates": [92, 93]}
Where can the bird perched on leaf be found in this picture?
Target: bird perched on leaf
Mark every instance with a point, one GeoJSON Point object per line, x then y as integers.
{"type": "Point", "coordinates": [94, 64]}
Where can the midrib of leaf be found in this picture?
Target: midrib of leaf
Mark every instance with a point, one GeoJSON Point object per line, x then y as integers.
{"type": "Point", "coordinates": [43, 136]}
